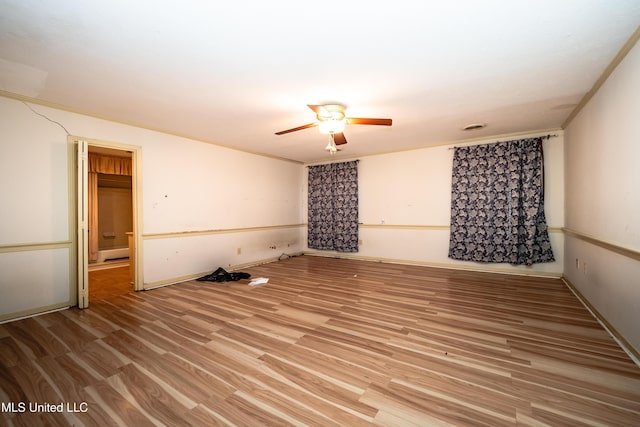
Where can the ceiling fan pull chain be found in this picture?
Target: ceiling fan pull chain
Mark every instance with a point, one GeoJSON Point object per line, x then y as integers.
{"type": "Point", "coordinates": [331, 146]}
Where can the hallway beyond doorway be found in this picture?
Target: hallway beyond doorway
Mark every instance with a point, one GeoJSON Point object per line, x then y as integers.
{"type": "Point", "coordinates": [109, 282]}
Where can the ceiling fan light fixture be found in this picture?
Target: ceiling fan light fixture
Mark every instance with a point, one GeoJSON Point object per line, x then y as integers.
{"type": "Point", "coordinates": [332, 120]}
{"type": "Point", "coordinates": [331, 126]}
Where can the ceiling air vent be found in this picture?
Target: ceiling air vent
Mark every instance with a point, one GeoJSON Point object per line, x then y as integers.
{"type": "Point", "coordinates": [474, 126]}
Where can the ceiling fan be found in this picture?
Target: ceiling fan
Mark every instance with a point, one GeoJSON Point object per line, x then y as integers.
{"type": "Point", "coordinates": [332, 120]}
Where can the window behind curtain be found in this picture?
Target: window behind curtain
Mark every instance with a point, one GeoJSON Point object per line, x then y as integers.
{"type": "Point", "coordinates": [497, 203]}
{"type": "Point", "coordinates": [333, 207]}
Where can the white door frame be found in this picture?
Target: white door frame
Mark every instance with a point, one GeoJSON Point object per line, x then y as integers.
{"type": "Point", "coordinates": [80, 159]}
{"type": "Point", "coordinates": [82, 236]}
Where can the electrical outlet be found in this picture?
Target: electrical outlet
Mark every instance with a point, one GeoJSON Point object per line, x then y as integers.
{"type": "Point", "coordinates": [577, 264]}
{"type": "Point", "coordinates": [239, 251]}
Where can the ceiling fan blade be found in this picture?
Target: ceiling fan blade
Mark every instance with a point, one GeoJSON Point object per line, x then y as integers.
{"type": "Point", "coordinates": [339, 139]}
{"type": "Point", "coordinates": [310, 125]}
{"type": "Point", "coordinates": [366, 121]}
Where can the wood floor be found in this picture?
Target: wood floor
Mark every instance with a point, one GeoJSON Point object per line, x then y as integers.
{"type": "Point", "coordinates": [324, 342]}
{"type": "Point", "coordinates": [107, 282]}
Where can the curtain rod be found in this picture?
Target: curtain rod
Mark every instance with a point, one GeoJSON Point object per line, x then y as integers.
{"type": "Point", "coordinates": [334, 163]}
{"type": "Point", "coordinates": [471, 145]}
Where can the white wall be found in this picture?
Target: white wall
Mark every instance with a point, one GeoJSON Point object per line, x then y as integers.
{"type": "Point", "coordinates": [115, 216]}
{"type": "Point", "coordinates": [34, 216]}
{"type": "Point", "coordinates": [405, 208]}
{"type": "Point", "coordinates": [603, 199]}
{"type": "Point", "coordinates": [189, 186]}
{"type": "Point", "coordinates": [33, 173]}
{"type": "Point", "coordinates": [235, 199]}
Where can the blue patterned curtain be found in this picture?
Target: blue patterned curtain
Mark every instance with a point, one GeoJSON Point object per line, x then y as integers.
{"type": "Point", "coordinates": [333, 207]}
{"type": "Point", "coordinates": [497, 203]}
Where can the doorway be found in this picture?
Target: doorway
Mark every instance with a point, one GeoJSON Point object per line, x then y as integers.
{"type": "Point", "coordinates": [109, 272]}
{"type": "Point", "coordinates": [107, 218]}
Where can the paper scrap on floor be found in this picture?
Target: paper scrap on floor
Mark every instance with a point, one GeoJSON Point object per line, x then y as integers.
{"type": "Point", "coordinates": [258, 281]}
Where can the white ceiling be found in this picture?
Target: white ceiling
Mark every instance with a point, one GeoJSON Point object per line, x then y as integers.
{"type": "Point", "coordinates": [234, 72]}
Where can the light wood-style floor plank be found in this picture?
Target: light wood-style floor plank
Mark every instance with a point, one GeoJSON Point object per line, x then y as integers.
{"type": "Point", "coordinates": [325, 342]}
